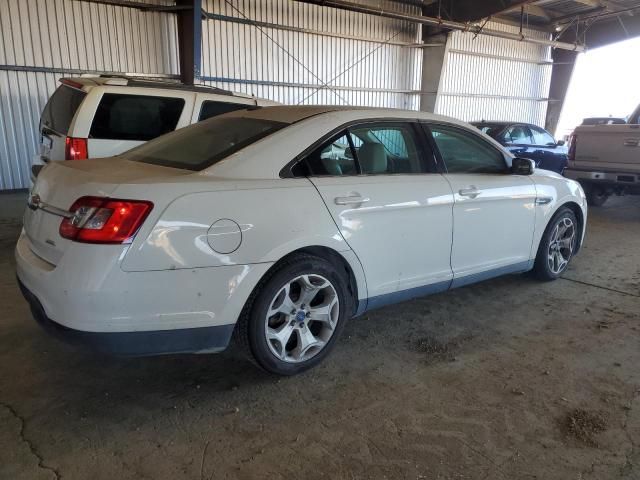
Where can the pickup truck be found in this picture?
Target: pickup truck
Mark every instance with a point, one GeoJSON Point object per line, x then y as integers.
{"type": "Point", "coordinates": [605, 159]}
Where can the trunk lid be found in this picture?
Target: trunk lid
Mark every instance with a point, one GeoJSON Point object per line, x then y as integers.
{"type": "Point", "coordinates": [613, 147]}
{"type": "Point", "coordinates": [60, 184]}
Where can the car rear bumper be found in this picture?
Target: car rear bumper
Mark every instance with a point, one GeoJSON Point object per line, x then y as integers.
{"type": "Point", "coordinates": [156, 342]}
{"type": "Point", "coordinates": [601, 176]}
{"type": "Point", "coordinates": [90, 300]}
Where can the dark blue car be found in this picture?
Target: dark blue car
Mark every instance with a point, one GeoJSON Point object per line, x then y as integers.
{"type": "Point", "coordinates": [528, 141]}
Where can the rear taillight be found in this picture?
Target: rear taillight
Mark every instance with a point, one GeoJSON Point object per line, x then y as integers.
{"type": "Point", "coordinates": [75, 149]}
{"type": "Point", "coordinates": [104, 220]}
{"type": "Point", "coordinates": [573, 142]}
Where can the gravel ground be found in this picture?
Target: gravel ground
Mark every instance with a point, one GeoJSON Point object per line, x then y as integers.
{"type": "Point", "coordinates": [508, 379]}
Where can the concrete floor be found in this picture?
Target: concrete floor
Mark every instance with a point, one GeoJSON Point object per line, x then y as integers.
{"type": "Point", "coordinates": [509, 379]}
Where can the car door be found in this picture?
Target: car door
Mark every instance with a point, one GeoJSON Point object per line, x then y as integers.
{"type": "Point", "coordinates": [493, 213]}
{"type": "Point", "coordinates": [552, 155]}
{"type": "Point", "coordinates": [379, 182]}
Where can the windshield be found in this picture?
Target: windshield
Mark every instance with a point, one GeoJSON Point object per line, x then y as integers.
{"type": "Point", "coordinates": [204, 144]}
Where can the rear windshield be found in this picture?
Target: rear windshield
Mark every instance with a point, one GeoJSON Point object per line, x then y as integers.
{"type": "Point", "coordinates": [489, 128]}
{"type": "Point", "coordinates": [135, 117]}
{"type": "Point", "coordinates": [61, 108]}
{"type": "Point", "coordinates": [203, 144]}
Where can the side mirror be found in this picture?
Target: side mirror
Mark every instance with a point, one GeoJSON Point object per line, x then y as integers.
{"type": "Point", "coordinates": [560, 143]}
{"type": "Point", "coordinates": [522, 166]}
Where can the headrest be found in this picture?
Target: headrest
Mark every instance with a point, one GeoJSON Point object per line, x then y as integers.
{"type": "Point", "coordinates": [372, 158]}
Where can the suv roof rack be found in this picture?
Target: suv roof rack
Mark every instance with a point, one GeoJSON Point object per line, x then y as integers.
{"type": "Point", "coordinates": [147, 82]}
{"type": "Point", "coordinates": [173, 85]}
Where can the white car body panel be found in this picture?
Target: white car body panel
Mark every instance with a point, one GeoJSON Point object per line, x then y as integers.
{"type": "Point", "coordinates": [183, 269]}
{"type": "Point", "coordinates": [495, 228]}
{"type": "Point", "coordinates": [402, 234]}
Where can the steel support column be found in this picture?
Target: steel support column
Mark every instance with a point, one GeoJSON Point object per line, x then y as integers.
{"type": "Point", "coordinates": [433, 65]}
{"type": "Point", "coordinates": [564, 63]}
{"type": "Point", "coordinates": [190, 39]}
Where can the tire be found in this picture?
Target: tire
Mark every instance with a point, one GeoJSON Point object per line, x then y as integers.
{"type": "Point", "coordinates": [596, 196]}
{"type": "Point", "coordinates": [282, 293]}
{"type": "Point", "coordinates": [553, 256]}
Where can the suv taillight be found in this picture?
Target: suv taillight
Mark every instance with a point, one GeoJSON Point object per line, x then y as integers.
{"type": "Point", "coordinates": [104, 220]}
{"type": "Point", "coordinates": [75, 149]}
{"type": "Point", "coordinates": [573, 141]}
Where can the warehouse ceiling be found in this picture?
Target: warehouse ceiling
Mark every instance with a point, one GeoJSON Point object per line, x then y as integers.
{"type": "Point", "coordinates": [593, 23]}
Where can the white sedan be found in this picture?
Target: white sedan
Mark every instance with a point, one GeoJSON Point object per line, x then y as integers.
{"type": "Point", "coordinates": [277, 225]}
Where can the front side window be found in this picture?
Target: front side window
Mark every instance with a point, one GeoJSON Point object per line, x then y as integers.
{"type": "Point", "coordinates": [541, 137]}
{"type": "Point", "coordinates": [135, 117]}
{"type": "Point", "coordinates": [519, 135]}
{"type": "Point", "coordinates": [203, 144]}
{"type": "Point", "coordinates": [464, 152]}
{"type": "Point", "coordinates": [212, 108]}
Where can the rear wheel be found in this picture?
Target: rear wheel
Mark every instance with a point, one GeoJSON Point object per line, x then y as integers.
{"type": "Point", "coordinates": [557, 245]}
{"type": "Point", "coordinates": [296, 315]}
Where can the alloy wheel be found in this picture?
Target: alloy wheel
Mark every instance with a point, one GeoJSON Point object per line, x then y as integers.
{"type": "Point", "coordinates": [561, 245]}
{"type": "Point", "coordinates": [301, 318]}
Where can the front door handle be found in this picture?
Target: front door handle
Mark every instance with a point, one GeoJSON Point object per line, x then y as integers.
{"type": "Point", "coordinates": [631, 142]}
{"type": "Point", "coordinates": [471, 192]}
{"type": "Point", "coordinates": [351, 200]}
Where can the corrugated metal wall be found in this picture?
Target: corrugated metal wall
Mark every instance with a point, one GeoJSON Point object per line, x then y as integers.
{"type": "Point", "coordinates": [41, 41]}
{"type": "Point", "coordinates": [335, 57]}
{"type": "Point", "coordinates": [495, 79]}
{"type": "Point", "coordinates": [286, 51]}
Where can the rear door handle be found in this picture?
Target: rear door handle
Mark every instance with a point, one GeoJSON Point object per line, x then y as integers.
{"type": "Point", "coordinates": [351, 200]}
{"type": "Point", "coordinates": [631, 142]}
{"type": "Point", "coordinates": [471, 192]}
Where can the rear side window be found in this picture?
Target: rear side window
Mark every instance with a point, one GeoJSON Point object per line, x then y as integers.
{"type": "Point", "coordinates": [212, 109]}
{"type": "Point", "coordinates": [464, 152]}
{"type": "Point", "coordinates": [369, 149]}
{"type": "Point", "coordinates": [203, 144]}
{"type": "Point", "coordinates": [333, 158]}
{"type": "Point", "coordinates": [61, 108]}
{"type": "Point", "coordinates": [135, 117]}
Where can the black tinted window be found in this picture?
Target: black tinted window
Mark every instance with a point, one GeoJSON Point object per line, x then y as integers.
{"type": "Point", "coordinates": [464, 152]}
{"type": "Point", "coordinates": [203, 144]}
{"type": "Point", "coordinates": [212, 109]}
{"type": "Point", "coordinates": [61, 108]}
{"type": "Point", "coordinates": [135, 117]}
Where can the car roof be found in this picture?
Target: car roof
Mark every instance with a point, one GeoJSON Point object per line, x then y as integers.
{"type": "Point", "coordinates": [497, 123]}
{"type": "Point", "coordinates": [142, 82]}
{"type": "Point", "coordinates": [306, 125]}
{"type": "Point", "coordinates": [296, 113]}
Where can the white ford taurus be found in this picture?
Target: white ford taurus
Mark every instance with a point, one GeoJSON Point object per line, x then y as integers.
{"type": "Point", "coordinates": [279, 224]}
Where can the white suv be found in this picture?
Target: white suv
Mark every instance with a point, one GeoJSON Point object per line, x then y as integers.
{"type": "Point", "coordinates": [102, 116]}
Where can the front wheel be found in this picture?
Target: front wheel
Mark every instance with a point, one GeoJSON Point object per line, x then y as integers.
{"type": "Point", "coordinates": [296, 315]}
{"type": "Point", "coordinates": [557, 245]}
